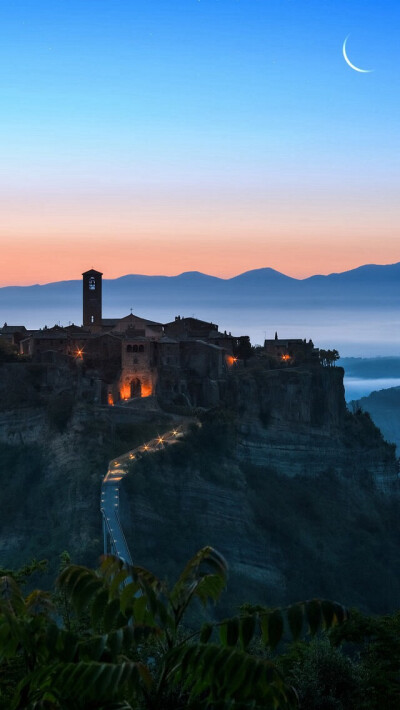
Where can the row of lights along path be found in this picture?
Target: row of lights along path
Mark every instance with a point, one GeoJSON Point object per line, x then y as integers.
{"type": "Point", "coordinates": [113, 534]}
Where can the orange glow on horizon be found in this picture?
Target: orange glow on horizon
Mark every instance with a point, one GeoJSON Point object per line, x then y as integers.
{"type": "Point", "coordinates": [217, 230]}
{"type": "Point", "coordinates": [50, 260]}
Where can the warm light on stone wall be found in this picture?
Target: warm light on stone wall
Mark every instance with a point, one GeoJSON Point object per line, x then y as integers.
{"type": "Point", "coordinates": [125, 391]}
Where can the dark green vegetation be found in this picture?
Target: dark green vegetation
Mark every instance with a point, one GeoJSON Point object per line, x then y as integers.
{"type": "Point", "coordinates": [328, 357]}
{"type": "Point", "coordinates": [122, 643]}
{"type": "Point", "coordinates": [117, 639]}
{"type": "Point", "coordinates": [360, 426]}
{"type": "Point", "coordinates": [384, 408]}
{"type": "Point", "coordinates": [356, 666]}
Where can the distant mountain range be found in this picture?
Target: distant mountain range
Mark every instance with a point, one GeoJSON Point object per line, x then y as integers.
{"type": "Point", "coordinates": [370, 284]}
{"type": "Point", "coordinates": [265, 291]}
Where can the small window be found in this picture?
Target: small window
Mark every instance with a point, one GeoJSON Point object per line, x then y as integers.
{"type": "Point", "coordinates": [134, 348]}
{"type": "Point", "coordinates": [92, 284]}
{"type": "Point", "coordinates": [129, 349]}
{"type": "Point", "coordinates": [141, 348]}
{"type": "Point", "coordinates": [92, 319]}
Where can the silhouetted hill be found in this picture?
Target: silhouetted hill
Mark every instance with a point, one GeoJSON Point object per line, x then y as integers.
{"type": "Point", "coordinates": [384, 408]}
{"type": "Point", "coordinates": [367, 285]}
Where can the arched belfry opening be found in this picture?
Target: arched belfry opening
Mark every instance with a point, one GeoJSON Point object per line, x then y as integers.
{"type": "Point", "coordinates": [92, 299]}
{"type": "Point", "coordinates": [136, 387]}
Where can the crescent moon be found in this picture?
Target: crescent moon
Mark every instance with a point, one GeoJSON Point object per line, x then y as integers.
{"type": "Point", "coordinates": [353, 66]}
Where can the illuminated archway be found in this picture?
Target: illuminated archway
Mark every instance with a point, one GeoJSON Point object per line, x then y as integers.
{"type": "Point", "coordinates": [136, 387]}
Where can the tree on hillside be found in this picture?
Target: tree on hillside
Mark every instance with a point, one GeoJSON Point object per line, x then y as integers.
{"type": "Point", "coordinates": [328, 357]}
{"type": "Point", "coordinates": [243, 349]}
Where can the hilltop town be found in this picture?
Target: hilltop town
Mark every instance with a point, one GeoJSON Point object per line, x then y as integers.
{"type": "Point", "coordinates": [267, 471]}
{"type": "Point", "coordinates": [185, 361]}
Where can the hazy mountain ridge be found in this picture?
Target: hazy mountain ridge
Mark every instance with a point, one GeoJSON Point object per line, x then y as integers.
{"type": "Point", "coordinates": [369, 283]}
{"type": "Point", "coordinates": [356, 312]}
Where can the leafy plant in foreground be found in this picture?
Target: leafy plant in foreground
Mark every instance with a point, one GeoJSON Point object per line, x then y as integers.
{"type": "Point", "coordinates": [132, 652]}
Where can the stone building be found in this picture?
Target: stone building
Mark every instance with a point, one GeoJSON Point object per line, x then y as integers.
{"type": "Point", "coordinates": [291, 351]}
{"type": "Point", "coordinates": [13, 334]}
{"type": "Point", "coordinates": [184, 361]}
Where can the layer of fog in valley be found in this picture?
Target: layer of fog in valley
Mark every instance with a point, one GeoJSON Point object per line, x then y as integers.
{"type": "Point", "coordinates": [355, 333]}
{"type": "Point", "coordinates": [357, 387]}
{"type": "Point", "coordinates": [366, 375]}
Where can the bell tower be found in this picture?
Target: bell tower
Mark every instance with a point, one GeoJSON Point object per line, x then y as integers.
{"type": "Point", "coordinates": [92, 298]}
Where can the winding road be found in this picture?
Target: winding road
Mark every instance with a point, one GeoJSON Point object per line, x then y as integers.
{"type": "Point", "coordinates": [113, 535]}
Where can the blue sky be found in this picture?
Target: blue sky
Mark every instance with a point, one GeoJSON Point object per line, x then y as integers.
{"type": "Point", "coordinates": [207, 112]}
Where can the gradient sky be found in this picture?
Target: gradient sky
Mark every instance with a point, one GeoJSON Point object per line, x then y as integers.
{"type": "Point", "coordinates": [160, 136]}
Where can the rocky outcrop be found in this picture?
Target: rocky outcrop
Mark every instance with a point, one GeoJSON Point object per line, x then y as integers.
{"type": "Point", "coordinates": [281, 482]}
{"type": "Point", "coordinates": [295, 421]}
{"type": "Point", "coordinates": [23, 426]}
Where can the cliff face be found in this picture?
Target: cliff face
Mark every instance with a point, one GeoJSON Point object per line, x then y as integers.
{"type": "Point", "coordinates": [282, 484]}
{"type": "Point", "coordinates": [293, 493]}
{"type": "Point", "coordinates": [285, 537]}
{"type": "Point", "coordinates": [296, 422]}
{"type": "Point", "coordinates": [54, 452]}
{"type": "Point", "coordinates": [49, 487]}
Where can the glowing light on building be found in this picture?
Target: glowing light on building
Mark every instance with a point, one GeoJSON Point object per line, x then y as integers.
{"type": "Point", "coordinates": [147, 390]}
{"type": "Point", "coordinates": [285, 358]}
{"type": "Point", "coordinates": [110, 399]}
{"type": "Point", "coordinates": [125, 391]}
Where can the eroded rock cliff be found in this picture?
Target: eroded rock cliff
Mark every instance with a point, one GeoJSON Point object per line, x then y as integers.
{"type": "Point", "coordinates": [295, 421]}
{"type": "Point", "coordinates": [282, 481]}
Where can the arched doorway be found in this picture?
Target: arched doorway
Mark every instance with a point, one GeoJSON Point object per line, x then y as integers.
{"type": "Point", "coordinates": [136, 387]}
